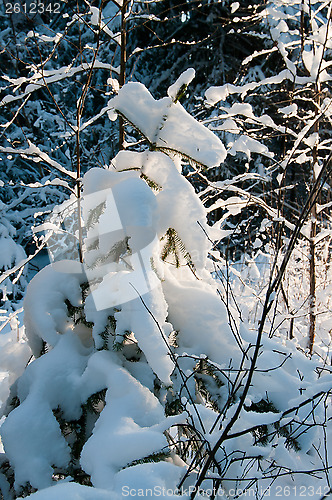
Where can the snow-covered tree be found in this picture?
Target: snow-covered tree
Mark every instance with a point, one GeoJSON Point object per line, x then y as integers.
{"type": "Point", "coordinates": [141, 378]}
{"type": "Point", "coordinates": [59, 69]}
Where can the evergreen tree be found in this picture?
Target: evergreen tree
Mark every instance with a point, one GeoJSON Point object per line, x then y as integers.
{"type": "Point", "coordinates": [138, 377]}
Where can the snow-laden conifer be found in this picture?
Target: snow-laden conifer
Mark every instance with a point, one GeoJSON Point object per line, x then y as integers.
{"type": "Point", "coordinates": [141, 377]}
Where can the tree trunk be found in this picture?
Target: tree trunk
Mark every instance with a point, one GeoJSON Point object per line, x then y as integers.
{"type": "Point", "coordinates": [312, 245]}
{"type": "Point", "coordinates": [123, 61]}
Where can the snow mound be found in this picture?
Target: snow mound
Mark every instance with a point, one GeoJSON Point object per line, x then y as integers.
{"type": "Point", "coordinates": [168, 126]}
{"type": "Point", "coordinates": [181, 83]}
{"type": "Point", "coordinates": [73, 491]}
{"type": "Point", "coordinates": [45, 310]}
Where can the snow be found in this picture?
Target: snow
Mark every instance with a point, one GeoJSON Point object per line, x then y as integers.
{"type": "Point", "coordinates": [244, 109]}
{"type": "Point", "coordinates": [215, 94]}
{"type": "Point", "coordinates": [282, 27]}
{"type": "Point", "coordinates": [37, 156]}
{"type": "Point", "coordinates": [289, 110]}
{"type": "Point", "coordinates": [133, 411]}
{"type": "Point", "coordinates": [144, 481]}
{"type": "Point", "coordinates": [65, 378]}
{"type": "Point", "coordinates": [72, 370]}
{"type": "Point", "coordinates": [163, 171]}
{"type": "Point", "coordinates": [10, 252]}
{"type": "Point", "coordinates": [253, 418]}
{"type": "Point", "coordinates": [46, 77]}
{"type": "Point", "coordinates": [95, 15]}
{"type": "Point", "coordinates": [73, 491]}
{"type": "Point", "coordinates": [248, 145]}
{"type": "Point", "coordinates": [149, 327]}
{"type": "Point", "coordinates": [182, 82]}
{"type": "Point", "coordinates": [168, 125]}
{"type": "Point", "coordinates": [46, 314]}
{"type": "Point", "coordinates": [97, 19]}
{"type": "Point", "coordinates": [14, 356]}
{"type": "Point", "coordinates": [185, 301]}
{"type": "Point", "coordinates": [151, 480]}
{"type": "Point", "coordinates": [234, 7]}
{"type": "Point", "coordinates": [228, 125]}
{"type": "Point", "coordinates": [144, 325]}
{"type": "Point", "coordinates": [31, 436]}
{"type": "Point", "coordinates": [130, 213]}
{"type": "Point", "coordinates": [126, 194]}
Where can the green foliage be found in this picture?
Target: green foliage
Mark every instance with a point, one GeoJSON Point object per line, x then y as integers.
{"type": "Point", "coordinates": [152, 184]}
{"type": "Point", "coordinates": [263, 433]}
{"type": "Point", "coordinates": [26, 490]}
{"type": "Point", "coordinates": [119, 340]}
{"type": "Point", "coordinates": [153, 458]}
{"type": "Point", "coordinates": [77, 314]}
{"type": "Point", "coordinates": [8, 473]}
{"type": "Point", "coordinates": [181, 93]}
{"type": "Point", "coordinates": [85, 287]}
{"type": "Point", "coordinates": [96, 402]}
{"type": "Point", "coordinates": [115, 254]}
{"type": "Point", "coordinates": [117, 346]}
{"type": "Point", "coordinates": [262, 406]}
{"type": "Point", "coordinates": [77, 431]}
{"type": "Point", "coordinates": [287, 432]}
{"type": "Point", "coordinates": [174, 407]}
{"type": "Point", "coordinates": [154, 268]}
{"type": "Point", "coordinates": [94, 245]}
{"type": "Point", "coordinates": [108, 332]}
{"type": "Point", "coordinates": [208, 384]}
{"type": "Point", "coordinates": [127, 344]}
{"type": "Point", "coordinates": [175, 249]}
{"type": "Point", "coordinates": [45, 348]}
{"type": "Point", "coordinates": [95, 214]}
